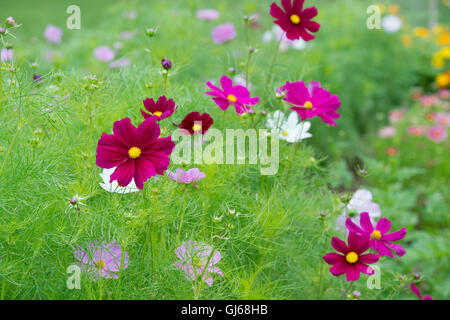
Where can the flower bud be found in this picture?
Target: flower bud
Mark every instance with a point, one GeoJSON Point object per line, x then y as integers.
{"type": "Point", "coordinates": [356, 294]}
{"type": "Point", "coordinates": [323, 214]}
{"type": "Point", "coordinates": [2, 30]}
{"type": "Point", "coordinates": [166, 64]}
{"type": "Point", "coordinates": [74, 200]}
{"type": "Point", "coordinates": [232, 70]}
{"type": "Point", "coordinates": [150, 32]}
{"type": "Point", "coordinates": [10, 22]}
{"type": "Point", "coordinates": [280, 93]}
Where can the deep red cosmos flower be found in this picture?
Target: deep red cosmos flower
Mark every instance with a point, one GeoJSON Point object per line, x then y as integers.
{"type": "Point", "coordinates": [312, 101]}
{"type": "Point", "coordinates": [378, 237]}
{"type": "Point", "coordinates": [162, 109]}
{"type": "Point", "coordinates": [137, 153]}
{"type": "Point", "coordinates": [195, 123]}
{"type": "Point", "coordinates": [237, 96]}
{"type": "Point", "coordinates": [352, 261]}
{"type": "Point", "coordinates": [295, 21]}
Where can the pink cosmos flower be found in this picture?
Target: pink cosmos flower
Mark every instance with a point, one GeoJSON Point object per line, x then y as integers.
{"type": "Point", "coordinates": [437, 133]}
{"type": "Point", "coordinates": [442, 118]}
{"type": "Point", "coordinates": [416, 131]}
{"type": "Point", "coordinates": [208, 14]}
{"type": "Point", "coordinates": [6, 54]}
{"type": "Point", "coordinates": [295, 21]}
{"type": "Point", "coordinates": [138, 153]}
{"type": "Point", "coordinates": [53, 34]}
{"type": "Point", "coordinates": [159, 110]}
{"type": "Point", "coordinates": [198, 261]}
{"type": "Point", "coordinates": [223, 33]}
{"type": "Point", "coordinates": [186, 177]}
{"type": "Point", "coordinates": [428, 100]}
{"type": "Point", "coordinates": [312, 101]}
{"type": "Point", "coordinates": [352, 261]}
{"type": "Point", "coordinates": [397, 115]}
{"type": "Point", "coordinates": [387, 132]}
{"type": "Point", "coordinates": [378, 237]}
{"type": "Point", "coordinates": [444, 94]}
{"type": "Point", "coordinates": [102, 259]}
{"type": "Point", "coordinates": [104, 53]}
{"type": "Point", "coordinates": [417, 293]}
{"type": "Point", "coordinates": [237, 96]}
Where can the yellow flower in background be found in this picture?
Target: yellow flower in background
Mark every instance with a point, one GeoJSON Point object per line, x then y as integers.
{"type": "Point", "coordinates": [407, 40]}
{"type": "Point", "coordinates": [394, 9]}
{"type": "Point", "coordinates": [437, 29]}
{"type": "Point", "coordinates": [443, 39]}
{"type": "Point", "coordinates": [421, 32]}
{"type": "Point", "coordinates": [440, 56]}
{"type": "Point", "coordinates": [443, 79]}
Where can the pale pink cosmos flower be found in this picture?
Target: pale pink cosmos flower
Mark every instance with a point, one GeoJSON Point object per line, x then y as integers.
{"type": "Point", "coordinates": [198, 261]}
{"type": "Point", "coordinates": [416, 131]}
{"type": "Point", "coordinates": [208, 14]}
{"type": "Point", "coordinates": [437, 133]}
{"type": "Point", "coordinates": [104, 53]}
{"type": "Point", "coordinates": [442, 118]}
{"type": "Point", "coordinates": [444, 94]}
{"type": "Point", "coordinates": [186, 177]}
{"type": "Point", "coordinates": [428, 100]}
{"type": "Point", "coordinates": [53, 34]}
{"type": "Point", "coordinates": [223, 33]}
{"type": "Point", "coordinates": [120, 63]}
{"type": "Point", "coordinates": [6, 54]}
{"type": "Point", "coordinates": [387, 132]}
{"type": "Point", "coordinates": [102, 259]}
{"type": "Point", "coordinates": [397, 115]}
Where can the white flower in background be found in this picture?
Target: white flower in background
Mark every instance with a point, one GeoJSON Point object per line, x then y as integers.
{"type": "Point", "coordinates": [360, 202]}
{"type": "Point", "coordinates": [240, 80]}
{"type": "Point", "coordinates": [290, 129]}
{"type": "Point", "coordinates": [114, 186]}
{"type": "Point", "coordinates": [391, 23]}
{"type": "Point", "coordinates": [276, 33]}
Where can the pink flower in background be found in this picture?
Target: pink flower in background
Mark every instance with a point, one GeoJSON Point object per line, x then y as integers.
{"type": "Point", "coordinates": [387, 132]}
{"type": "Point", "coordinates": [208, 14]}
{"type": "Point", "coordinates": [186, 177]}
{"type": "Point", "coordinates": [397, 115]}
{"type": "Point", "coordinates": [416, 131]}
{"type": "Point", "coordinates": [198, 259]}
{"type": "Point", "coordinates": [6, 54]}
{"type": "Point", "coordinates": [437, 133]}
{"type": "Point", "coordinates": [53, 34]}
{"type": "Point", "coordinates": [223, 33]}
{"type": "Point", "coordinates": [351, 261]}
{"type": "Point", "coordinates": [312, 101]}
{"type": "Point", "coordinates": [444, 94]}
{"type": "Point", "coordinates": [120, 63]}
{"type": "Point", "coordinates": [237, 96]}
{"type": "Point", "coordinates": [442, 118]}
{"type": "Point", "coordinates": [104, 53]}
{"type": "Point", "coordinates": [428, 100]}
{"type": "Point", "coordinates": [378, 237]}
{"type": "Point", "coordinates": [102, 259]}
{"type": "Point", "coordinates": [417, 293]}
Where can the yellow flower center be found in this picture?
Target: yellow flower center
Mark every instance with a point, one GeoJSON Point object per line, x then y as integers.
{"type": "Point", "coordinates": [232, 98]}
{"type": "Point", "coordinates": [157, 113]}
{"type": "Point", "coordinates": [134, 152]}
{"type": "Point", "coordinates": [100, 264]}
{"type": "Point", "coordinates": [197, 127]}
{"type": "Point", "coordinates": [295, 19]}
{"type": "Point", "coordinates": [376, 235]}
{"type": "Point", "coordinates": [285, 133]}
{"type": "Point", "coordinates": [351, 257]}
{"type": "Point", "coordinates": [308, 105]}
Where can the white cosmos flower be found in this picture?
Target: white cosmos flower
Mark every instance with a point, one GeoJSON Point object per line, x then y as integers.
{"type": "Point", "coordinates": [113, 186]}
{"type": "Point", "coordinates": [360, 202]}
{"type": "Point", "coordinates": [391, 23]}
{"type": "Point", "coordinates": [290, 129]}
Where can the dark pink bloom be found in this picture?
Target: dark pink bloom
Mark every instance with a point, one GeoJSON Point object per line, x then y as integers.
{"type": "Point", "coordinates": [378, 237]}
{"type": "Point", "coordinates": [437, 133]}
{"type": "Point", "coordinates": [295, 21]}
{"type": "Point", "coordinates": [312, 101]}
{"type": "Point", "coordinates": [162, 109]}
{"type": "Point", "coordinates": [196, 123]}
{"type": "Point", "coordinates": [417, 292]}
{"type": "Point", "coordinates": [352, 261]}
{"type": "Point", "coordinates": [138, 153]}
{"type": "Point", "coordinates": [237, 96]}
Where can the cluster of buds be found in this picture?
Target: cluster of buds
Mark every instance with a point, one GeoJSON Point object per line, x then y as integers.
{"type": "Point", "coordinates": [91, 83]}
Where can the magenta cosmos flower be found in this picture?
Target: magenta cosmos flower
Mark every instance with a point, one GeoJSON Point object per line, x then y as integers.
{"type": "Point", "coordinates": [437, 133]}
{"type": "Point", "coordinates": [352, 261]}
{"type": "Point", "coordinates": [138, 153]}
{"type": "Point", "coordinates": [53, 34]}
{"type": "Point", "coordinates": [102, 259]}
{"type": "Point", "coordinates": [196, 123]}
{"type": "Point", "coordinates": [237, 96]}
{"type": "Point", "coordinates": [223, 33]}
{"type": "Point", "coordinates": [197, 262]}
{"type": "Point", "coordinates": [312, 101]}
{"type": "Point", "coordinates": [295, 21]}
{"type": "Point", "coordinates": [159, 110]}
{"type": "Point", "coordinates": [208, 14]}
{"type": "Point", "coordinates": [378, 237]}
{"type": "Point", "coordinates": [417, 293]}
{"type": "Point", "coordinates": [186, 177]}
{"type": "Point", "coordinates": [104, 53]}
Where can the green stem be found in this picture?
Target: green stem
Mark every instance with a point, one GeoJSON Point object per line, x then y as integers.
{"type": "Point", "coordinates": [269, 75]}
{"type": "Point", "coordinates": [182, 218]}
{"type": "Point", "coordinates": [10, 148]}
